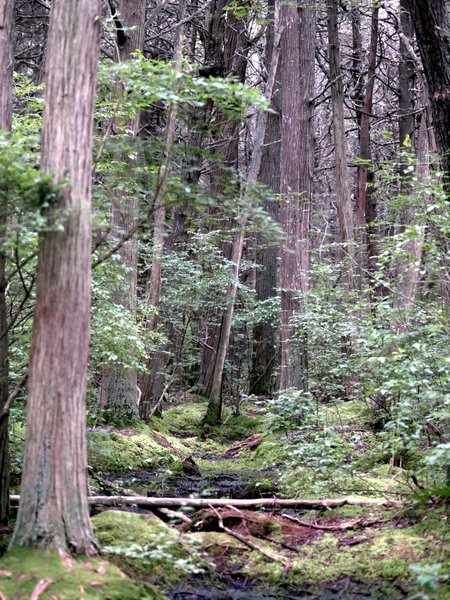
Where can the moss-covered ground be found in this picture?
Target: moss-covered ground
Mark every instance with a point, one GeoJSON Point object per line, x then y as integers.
{"type": "Point", "coordinates": [26, 574]}
{"type": "Point", "coordinates": [348, 552]}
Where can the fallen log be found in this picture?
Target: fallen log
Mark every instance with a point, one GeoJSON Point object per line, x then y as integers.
{"type": "Point", "coordinates": [256, 503]}
{"type": "Point", "coordinates": [250, 443]}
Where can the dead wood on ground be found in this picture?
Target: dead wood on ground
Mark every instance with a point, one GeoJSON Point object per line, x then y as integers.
{"type": "Point", "coordinates": [272, 503]}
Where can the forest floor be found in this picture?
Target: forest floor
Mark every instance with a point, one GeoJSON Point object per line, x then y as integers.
{"type": "Point", "coordinates": [392, 550]}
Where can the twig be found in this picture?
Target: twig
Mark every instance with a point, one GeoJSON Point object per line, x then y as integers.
{"type": "Point", "coordinates": [248, 542]}
{"type": "Point", "coordinates": [310, 525]}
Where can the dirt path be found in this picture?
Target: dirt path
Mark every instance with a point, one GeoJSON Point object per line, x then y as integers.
{"type": "Point", "coordinates": [348, 552]}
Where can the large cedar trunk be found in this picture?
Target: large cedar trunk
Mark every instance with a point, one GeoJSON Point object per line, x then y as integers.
{"type": "Point", "coordinates": [432, 28]}
{"type": "Point", "coordinates": [53, 511]}
{"type": "Point", "coordinates": [265, 345]}
{"type": "Point", "coordinates": [297, 76]}
{"type": "Point", "coordinates": [6, 70]}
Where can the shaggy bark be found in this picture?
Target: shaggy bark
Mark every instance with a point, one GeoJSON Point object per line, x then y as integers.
{"type": "Point", "coordinates": [53, 511]}
{"type": "Point", "coordinates": [432, 28]}
{"type": "Point", "coordinates": [297, 153]}
{"type": "Point", "coordinates": [6, 71]}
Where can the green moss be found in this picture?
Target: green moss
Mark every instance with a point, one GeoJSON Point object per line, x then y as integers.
{"type": "Point", "coordinates": [271, 451]}
{"type": "Point", "coordinates": [148, 547]}
{"type": "Point", "coordinates": [90, 579]}
{"type": "Point", "coordinates": [383, 558]}
{"type": "Point", "coordinates": [112, 451]}
{"type": "Point", "coordinates": [353, 413]}
{"type": "Point", "coordinates": [240, 427]}
{"type": "Point", "coordinates": [185, 419]}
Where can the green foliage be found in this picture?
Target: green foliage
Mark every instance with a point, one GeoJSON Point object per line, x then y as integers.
{"type": "Point", "coordinates": [130, 86]}
{"type": "Point", "coordinates": [310, 443]}
{"type": "Point", "coordinates": [432, 578]}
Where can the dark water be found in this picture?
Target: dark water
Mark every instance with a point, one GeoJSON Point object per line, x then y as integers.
{"type": "Point", "coordinates": [209, 485]}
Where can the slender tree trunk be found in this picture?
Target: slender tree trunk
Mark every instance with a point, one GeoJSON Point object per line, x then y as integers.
{"type": "Point", "coordinates": [152, 382]}
{"type": "Point", "coordinates": [366, 211]}
{"type": "Point", "coordinates": [118, 386]}
{"type": "Point", "coordinates": [6, 71]}
{"type": "Point", "coordinates": [297, 150]}
{"type": "Point", "coordinates": [357, 61]}
{"type": "Point", "coordinates": [226, 50]}
{"type": "Point", "coordinates": [432, 28]}
{"type": "Point", "coordinates": [406, 77]}
{"type": "Point", "coordinates": [343, 197]}
{"type": "Point", "coordinates": [214, 411]}
{"type": "Point", "coordinates": [53, 511]}
{"type": "Point", "coordinates": [409, 264]}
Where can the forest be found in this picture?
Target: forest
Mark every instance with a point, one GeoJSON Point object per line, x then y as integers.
{"type": "Point", "coordinates": [225, 299]}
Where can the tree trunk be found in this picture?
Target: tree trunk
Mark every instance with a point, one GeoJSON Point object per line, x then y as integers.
{"type": "Point", "coordinates": [6, 72]}
{"type": "Point", "coordinates": [118, 386]}
{"type": "Point", "coordinates": [407, 266]}
{"type": "Point", "coordinates": [366, 212]}
{"type": "Point", "coordinates": [152, 382]}
{"type": "Point", "coordinates": [343, 197]}
{"type": "Point", "coordinates": [297, 149]}
{"type": "Point", "coordinates": [432, 28]}
{"type": "Point", "coordinates": [406, 78]}
{"type": "Point", "coordinates": [214, 411]}
{"type": "Point", "coordinates": [226, 49]}
{"type": "Point", "coordinates": [53, 511]}
{"type": "Point", "coordinates": [265, 346]}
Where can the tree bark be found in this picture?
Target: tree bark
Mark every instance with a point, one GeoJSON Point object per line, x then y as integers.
{"type": "Point", "coordinates": [343, 197]}
{"type": "Point", "coordinates": [366, 212]}
{"type": "Point", "coordinates": [118, 387]}
{"type": "Point", "coordinates": [226, 50]}
{"type": "Point", "coordinates": [265, 345]}
{"type": "Point", "coordinates": [297, 153]}
{"type": "Point", "coordinates": [432, 28]}
{"type": "Point", "coordinates": [152, 382]}
{"type": "Point", "coordinates": [6, 72]}
{"type": "Point", "coordinates": [53, 511]}
{"type": "Point", "coordinates": [214, 411]}
{"type": "Point", "coordinates": [406, 78]}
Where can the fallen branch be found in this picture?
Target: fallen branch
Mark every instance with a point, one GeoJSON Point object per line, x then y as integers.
{"type": "Point", "coordinates": [341, 527]}
{"type": "Point", "coordinates": [40, 588]}
{"type": "Point", "coordinates": [175, 514]}
{"type": "Point", "coordinates": [272, 503]}
{"type": "Point", "coordinates": [250, 444]}
{"type": "Point", "coordinates": [247, 542]}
